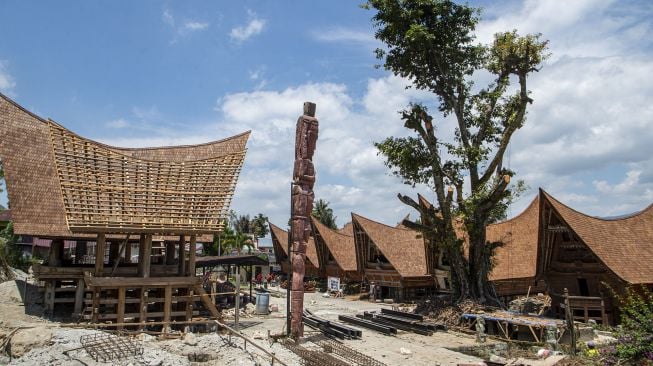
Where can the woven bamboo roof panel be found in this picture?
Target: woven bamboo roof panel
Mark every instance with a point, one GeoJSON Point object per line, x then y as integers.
{"type": "Point", "coordinates": [624, 244]}
{"type": "Point", "coordinates": [280, 245]}
{"type": "Point", "coordinates": [340, 245]}
{"type": "Point", "coordinates": [107, 191]}
{"type": "Point", "coordinates": [517, 258]}
{"type": "Point", "coordinates": [40, 169]}
{"type": "Point", "coordinates": [404, 248]}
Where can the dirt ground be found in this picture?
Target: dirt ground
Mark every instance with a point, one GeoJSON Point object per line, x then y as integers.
{"type": "Point", "coordinates": [42, 341]}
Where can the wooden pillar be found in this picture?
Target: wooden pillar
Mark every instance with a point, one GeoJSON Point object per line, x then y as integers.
{"type": "Point", "coordinates": [120, 313]}
{"type": "Point", "coordinates": [237, 299]}
{"type": "Point", "coordinates": [142, 318]}
{"type": "Point", "coordinates": [100, 248]}
{"type": "Point", "coordinates": [55, 255]}
{"type": "Point", "coordinates": [191, 255]}
{"type": "Point", "coordinates": [167, 308]}
{"type": "Point", "coordinates": [141, 254]}
{"type": "Point", "coordinates": [128, 252]}
{"type": "Point", "coordinates": [147, 254]}
{"type": "Point", "coordinates": [170, 252]}
{"type": "Point", "coordinates": [49, 296]}
{"type": "Point", "coordinates": [182, 256]}
{"type": "Point", "coordinates": [114, 252]}
{"type": "Point", "coordinates": [79, 297]}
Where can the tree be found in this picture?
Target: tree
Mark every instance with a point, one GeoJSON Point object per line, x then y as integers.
{"type": "Point", "coordinates": [259, 225]}
{"type": "Point", "coordinates": [242, 224]}
{"type": "Point", "coordinates": [324, 214]}
{"type": "Point", "coordinates": [432, 43]}
{"type": "Point", "coordinates": [238, 240]}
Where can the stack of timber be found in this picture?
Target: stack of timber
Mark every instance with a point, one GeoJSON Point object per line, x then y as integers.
{"type": "Point", "coordinates": [401, 320]}
{"type": "Point", "coordinates": [330, 328]}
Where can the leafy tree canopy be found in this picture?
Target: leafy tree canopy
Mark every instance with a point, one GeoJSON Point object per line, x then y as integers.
{"type": "Point", "coordinates": [324, 214]}
{"type": "Point", "coordinates": [432, 43]}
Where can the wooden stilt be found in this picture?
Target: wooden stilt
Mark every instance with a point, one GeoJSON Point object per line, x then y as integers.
{"type": "Point", "coordinates": [100, 248]}
{"type": "Point", "coordinates": [49, 296]}
{"type": "Point", "coordinates": [147, 256]}
{"type": "Point", "coordinates": [141, 254]}
{"type": "Point", "coordinates": [120, 312]}
{"type": "Point", "coordinates": [79, 297]}
{"type": "Point", "coordinates": [114, 252]}
{"type": "Point", "coordinates": [182, 256]}
{"type": "Point", "coordinates": [142, 318]}
{"type": "Point", "coordinates": [167, 308]}
{"type": "Point", "coordinates": [191, 255]}
{"type": "Point", "coordinates": [55, 255]}
{"type": "Point", "coordinates": [96, 304]}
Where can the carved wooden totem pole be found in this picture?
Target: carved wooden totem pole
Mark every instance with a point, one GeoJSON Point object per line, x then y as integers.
{"type": "Point", "coordinates": [302, 205]}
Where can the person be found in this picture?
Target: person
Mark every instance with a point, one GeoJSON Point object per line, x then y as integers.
{"type": "Point", "coordinates": [259, 279]}
{"type": "Point", "coordinates": [268, 278]}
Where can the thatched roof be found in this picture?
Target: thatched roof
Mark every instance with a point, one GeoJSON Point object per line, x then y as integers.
{"type": "Point", "coordinates": [517, 258]}
{"type": "Point", "coordinates": [60, 184]}
{"type": "Point", "coordinates": [280, 245]}
{"type": "Point", "coordinates": [404, 248]}
{"type": "Point", "coordinates": [624, 245]}
{"type": "Point", "coordinates": [340, 245]}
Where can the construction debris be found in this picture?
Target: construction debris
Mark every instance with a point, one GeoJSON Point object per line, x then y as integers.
{"type": "Point", "coordinates": [106, 347]}
{"type": "Point", "coordinates": [530, 304]}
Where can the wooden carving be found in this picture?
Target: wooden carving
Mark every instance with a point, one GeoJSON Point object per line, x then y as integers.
{"type": "Point", "coordinates": [302, 205]}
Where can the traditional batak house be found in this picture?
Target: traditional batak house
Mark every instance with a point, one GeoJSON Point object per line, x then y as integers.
{"type": "Point", "coordinates": [280, 247]}
{"type": "Point", "coordinates": [586, 255]}
{"type": "Point", "coordinates": [65, 187]}
{"type": "Point", "coordinates": [336, 251]}
{"type": "Point", "coordinates": [514, 263]}
{"type": "Point", "coordinates": [393, 258]}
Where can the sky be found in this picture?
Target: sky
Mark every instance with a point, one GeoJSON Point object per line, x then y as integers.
{"type": "Point", "coordinates": [155, 73]}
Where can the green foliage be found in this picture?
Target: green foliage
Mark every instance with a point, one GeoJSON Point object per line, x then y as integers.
{"type": "Point", "coordinates": [10, 251]}
{"type": "Point", "coordinates": [636, 332]}
{"type": "Point", "coordinates": [259, 225]}
{"type": "Point", "coordinates": [324, 214]}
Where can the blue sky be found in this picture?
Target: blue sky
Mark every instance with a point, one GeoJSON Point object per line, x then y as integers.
{"type": "Point", "coordinates": [160, 73]}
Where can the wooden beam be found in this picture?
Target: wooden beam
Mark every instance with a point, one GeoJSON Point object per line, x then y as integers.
{"type": "Point", "coordinates": [191, 255]}
{"type": "Point", "coordinates": [136, 282]}
{"type": "Point", "coordinates": [206, 300]}
{"type": "Point", "coordinates": [142, 318]}
{"type": "Point", "coordinates": [182, 255]}
{"type": "Point", "coordinates": [100, 248]}
{"type": "Point", "coordinates": [114, 252]}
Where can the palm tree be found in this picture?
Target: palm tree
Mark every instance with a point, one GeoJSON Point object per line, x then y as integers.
{"type": "Point", "coordinates": [238, 240]}
{"type": "Point", "coordinates": [324, 214]}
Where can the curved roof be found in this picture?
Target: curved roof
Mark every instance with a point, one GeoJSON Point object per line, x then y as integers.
{"type": "Point", "coordinates": [282, 238]}
{"type": "Point", "coordinates": [517, 258]}
{"type": "Point", "coordinates": [625, 245]}
{"type": "Point", "coordinates": [340, 245]}
{"type": "Point", "coordinates": [404, 248]}
{"type": "Point", "coordinates": [56, 179]}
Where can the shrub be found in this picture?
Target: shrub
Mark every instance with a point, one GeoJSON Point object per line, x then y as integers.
{"type": "Point", "coordinates": [635, 334]}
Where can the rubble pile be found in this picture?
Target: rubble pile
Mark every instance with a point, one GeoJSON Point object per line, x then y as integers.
{"type": "Point", "coordinates": [443, 311]}
{"type": "Point", "coordinates": [530, 305]}
{"type": "Point", "coordinates": [309, 286]}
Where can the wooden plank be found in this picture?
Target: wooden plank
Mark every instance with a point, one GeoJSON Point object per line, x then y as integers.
{"type": "Point", "coordinates": [141, 254]}
{"type": "Point", "coordinates": [189, 305]}
{"type": "Point", "coordinates": [96, 304]}
{"type": "Point", "coordinates": [100, 248]}
{"type": "Point", "coordinates": [206, 300]}
{"type": "Point", "coordinates": [136, 282]}
{"type": "Point", "coordinates": [120, 313]}
{"type": "Point", "coordinates": [167, 308]}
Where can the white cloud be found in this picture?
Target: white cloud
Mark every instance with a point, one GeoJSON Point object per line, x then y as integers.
{"type": "Point", "coordinates": [7, 83]}
{"type": "Point", "coordinates": [184, 29]}
{"type": "Point", "coordinates": [254, 26]}
{"type": "Point", "coordinates": [344, 35]}
{"type": "Point", "coordinates": [118, 123]}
